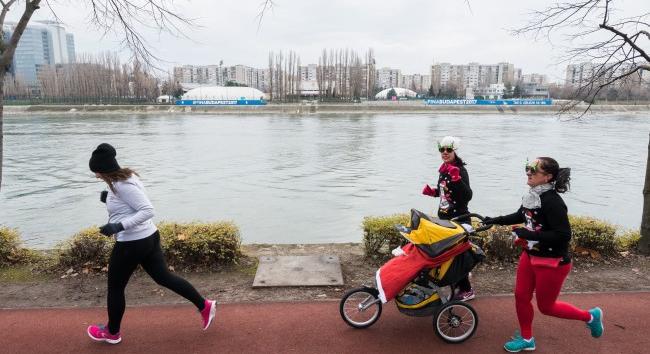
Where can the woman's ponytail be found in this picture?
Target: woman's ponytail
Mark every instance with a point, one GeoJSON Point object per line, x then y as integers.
{"type": "Point", "coordinates": [561, 176]}
{"type": "Point", "coordinates": [563, 180]}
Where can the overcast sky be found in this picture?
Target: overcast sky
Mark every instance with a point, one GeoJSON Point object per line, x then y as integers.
{"type": "Point", "coordinates": [409, 34]}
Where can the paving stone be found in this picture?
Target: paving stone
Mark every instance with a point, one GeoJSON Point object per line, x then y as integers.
{"type": "Point", "coordinates": [311, 270]}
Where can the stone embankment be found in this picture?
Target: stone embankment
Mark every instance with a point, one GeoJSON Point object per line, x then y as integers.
{"type": "Point", "coordinates": [410, 107]}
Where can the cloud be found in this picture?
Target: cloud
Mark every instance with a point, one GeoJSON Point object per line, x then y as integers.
{"type": "Point", "coordinates": [408, 34]}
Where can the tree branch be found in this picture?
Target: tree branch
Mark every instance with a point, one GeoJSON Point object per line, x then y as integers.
{"type": "Point", "coordinates": [627, 40]}
{"type": "Point", "coordinates": [10, 49]}
{"type": "Point", "coordinates": [5, 8]}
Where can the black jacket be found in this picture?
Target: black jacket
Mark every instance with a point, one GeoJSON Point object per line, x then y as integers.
{"type": "Point", "coordinates": [454, 196]}
{"type": "Point", "coordinates": [548, 224]}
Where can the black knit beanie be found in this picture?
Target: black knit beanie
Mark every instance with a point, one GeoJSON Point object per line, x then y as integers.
{"type": "Point", "coordinates": [103, 159]}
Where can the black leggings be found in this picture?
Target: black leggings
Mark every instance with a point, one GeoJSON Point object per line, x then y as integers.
{"type": "Point", "coordinates": [464, 284]}
{"type": "Point", "coordinates": [125, 258]}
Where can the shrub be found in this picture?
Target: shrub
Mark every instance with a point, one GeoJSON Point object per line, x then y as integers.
{"type": "Point", "coordinates": [629, 240]}
{"type": "Point", "coordinates": [380, 236]}
{"type": "Point", "coordinates": [593, 234]}
{"type": "Point", "coordinates": [498, 244]}
{"type": "Point", "coordinates": [10, 250]}
{"type": "Point", "coordinates": [86, 249]}
{"type": "Point", "coordinates": [200, 245]}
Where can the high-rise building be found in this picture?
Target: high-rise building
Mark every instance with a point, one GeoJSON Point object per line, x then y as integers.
{"type": "Point", "coordinates": [387, 78]}
{"type": "Point", "coordinates": [471, 75]}
{"type": "Point", "coordinates": [309, 72]}
{"type": "Point", "coordinates": [220, 75]}
{"type": "Point", "coordinates": [533, 78]}
{"type": "Point", "coordinates": [416, 82]}
{"type": "Point", "coordinates": [42, 43]}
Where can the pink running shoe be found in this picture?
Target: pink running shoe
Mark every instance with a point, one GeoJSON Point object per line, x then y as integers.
{"type": "Point", "coordinates": [208, 312]}
{"type": "Point", "coordinates": [101, 334]}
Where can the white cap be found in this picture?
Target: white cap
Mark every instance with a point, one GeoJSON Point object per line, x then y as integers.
{"type": "Point", "coordinates": [449, 141]}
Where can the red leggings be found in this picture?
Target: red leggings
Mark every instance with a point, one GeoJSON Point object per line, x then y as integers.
{"type": "Point", "coordinates": [546, 283]}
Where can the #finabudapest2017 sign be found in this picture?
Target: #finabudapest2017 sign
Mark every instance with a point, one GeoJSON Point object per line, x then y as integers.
{"type": "Point", "coordinates": [220, 102]}
{"type": "Point", "coordinates": [508, 102]}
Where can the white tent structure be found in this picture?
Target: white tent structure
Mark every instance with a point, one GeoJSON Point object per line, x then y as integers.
{"type": "Point", "coordinates": [224, 93]}
{"type": "Point", "coordinates": [401, 92]}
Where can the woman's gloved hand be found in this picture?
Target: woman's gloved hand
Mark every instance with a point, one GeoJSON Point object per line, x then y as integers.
{"type": "Point", "coordinates": [490, 221]}
{"type": "Point", "coordinates": [111, 229]}
{"type": "Point", "coordinates": [102, 196]}
{"type": "Point", "coordinates": [427, 190]}
{"type": "Point", "coordinates": [522, 232]}
{"type": "Point", "coordinates": [454, 173]}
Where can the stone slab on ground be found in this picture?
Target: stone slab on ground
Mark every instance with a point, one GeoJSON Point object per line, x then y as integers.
{"type": "Point", "coordinates": [313, 270]}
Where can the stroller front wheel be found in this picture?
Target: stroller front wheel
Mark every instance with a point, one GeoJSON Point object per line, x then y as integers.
{"type": "Point", "coordinates": [360, 307]}
{"type": "Point", "coordinates": [455, 322]}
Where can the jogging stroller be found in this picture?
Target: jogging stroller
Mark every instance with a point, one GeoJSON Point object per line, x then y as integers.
{"type": "Point", "coordinates": [438, 255]}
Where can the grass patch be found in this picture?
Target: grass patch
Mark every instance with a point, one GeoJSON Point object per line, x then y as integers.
{"type": "Point", "coordinates": [21, 274]}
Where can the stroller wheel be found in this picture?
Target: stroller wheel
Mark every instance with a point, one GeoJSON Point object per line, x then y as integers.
{"type": "Point", "coordinates": [360, 307]}
{"type": "Point", "coordinates": [455, 322]}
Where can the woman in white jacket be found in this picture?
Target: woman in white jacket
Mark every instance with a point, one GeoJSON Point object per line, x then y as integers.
{"type": "Point", "coordinates": [138, 243]}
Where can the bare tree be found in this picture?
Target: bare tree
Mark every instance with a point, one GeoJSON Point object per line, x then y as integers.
{"type": "Point", "coordinates": [617, 49]}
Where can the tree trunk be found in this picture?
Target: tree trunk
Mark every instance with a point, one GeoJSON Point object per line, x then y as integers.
{"type": "Point", "coordinates": [644, 243]}
{"type": "Point", "coordinates": [2, 106]}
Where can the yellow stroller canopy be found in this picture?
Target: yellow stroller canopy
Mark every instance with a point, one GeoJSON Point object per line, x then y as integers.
{"type": "Point", "coordinates": [432, 235]}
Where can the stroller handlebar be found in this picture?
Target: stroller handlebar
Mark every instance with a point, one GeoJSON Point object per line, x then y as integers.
{"type": "Point", "coordinates": [474, 215]}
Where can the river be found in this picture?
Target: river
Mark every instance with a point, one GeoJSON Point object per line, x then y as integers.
{"type": "Point", "coordinates": [308, 179]}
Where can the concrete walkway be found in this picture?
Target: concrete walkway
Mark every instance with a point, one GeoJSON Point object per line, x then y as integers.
{"type": "Point", "coordinates": [316, 327]}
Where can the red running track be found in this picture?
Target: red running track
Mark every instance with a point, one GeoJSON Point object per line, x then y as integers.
{"type": "Point", "coordinates": [316, 327]}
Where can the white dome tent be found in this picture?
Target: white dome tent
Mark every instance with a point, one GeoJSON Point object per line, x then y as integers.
{"type": "Point", "coordinates": [401, 92]}
{"type": "Point", "coordinates": [224, 93]}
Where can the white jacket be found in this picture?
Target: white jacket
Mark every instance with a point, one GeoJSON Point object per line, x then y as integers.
{"type": "Point", "coordinates": [130, 206]}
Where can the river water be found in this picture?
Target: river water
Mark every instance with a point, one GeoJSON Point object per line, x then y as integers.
{"type": "Point", "coordinates": [308, 179]}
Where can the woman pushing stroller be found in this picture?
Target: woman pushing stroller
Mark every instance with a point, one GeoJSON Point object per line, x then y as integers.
{"type": "Point", "coordinates": [545, 262]}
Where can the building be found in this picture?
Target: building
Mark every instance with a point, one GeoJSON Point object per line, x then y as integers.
{"type": "Point", "coordinates": [387, 77]}
{"type": "Point", "coordinates": [517, 75]}
{"type": "Point", "coordinates": [43, 43]}
{"type": "Point", "coordinates": [539, 79]}
{"type": "Point", "coordinates": [309, 72]}
{"type": "Point", "coordinates": [579, 74]}
{"type": "Point", "coordinates": [471, 75]}
{"type": "Point", "coordinates": [494, 91]}
{"type": "Point", "coordinates": [534, 90]}
{"type": "Point", "coordinates": [416, 82]}
{"type": "Point", "coordinates": [219, 75]}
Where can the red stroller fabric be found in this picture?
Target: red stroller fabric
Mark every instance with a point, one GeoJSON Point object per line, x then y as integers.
{"type": "Point", "coordinates": [393, 276]}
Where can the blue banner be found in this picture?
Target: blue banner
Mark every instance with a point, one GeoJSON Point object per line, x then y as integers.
{"type": "Point", "coordinates": [239, 102]}
{"type": "Point", "coordinates": [505, 102]}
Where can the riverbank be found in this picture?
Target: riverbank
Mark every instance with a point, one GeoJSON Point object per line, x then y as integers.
{"type": "Point", "coordinates": [399, 107]}
{"type": "Point", "coordinates": [21, 289]}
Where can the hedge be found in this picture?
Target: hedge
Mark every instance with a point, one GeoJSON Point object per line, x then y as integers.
{"type": "Point", "coordinates": [596, 237]}
{"type": "Point", "coordinates": [187, 246]}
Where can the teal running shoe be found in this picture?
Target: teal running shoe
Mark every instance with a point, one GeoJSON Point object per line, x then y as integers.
{"type": "Point", "coordinates": [596, 325]}
{"type": "Point", "coordinates": [517, 344]}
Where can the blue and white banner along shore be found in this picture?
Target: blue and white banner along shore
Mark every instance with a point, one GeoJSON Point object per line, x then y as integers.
{"type": "Point", "coordinates": [505, 102]}
{"type": "Point", "coordinates": [240, 102]}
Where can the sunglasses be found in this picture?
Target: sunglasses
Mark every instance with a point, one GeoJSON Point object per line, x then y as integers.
{"type": "Point", "coordinates": [532, 167]}
{"type": "Point", "coordinates": [446, 149]}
